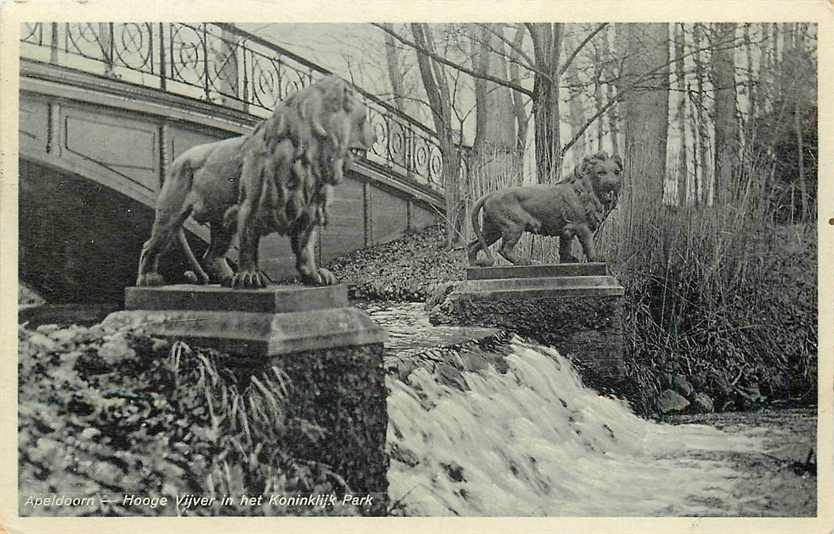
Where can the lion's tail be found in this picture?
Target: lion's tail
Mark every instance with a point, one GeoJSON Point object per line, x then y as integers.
{"type": "Point", "coordinates": [476, 227]}
{"type": "Point", "coordinates": [181, 178]}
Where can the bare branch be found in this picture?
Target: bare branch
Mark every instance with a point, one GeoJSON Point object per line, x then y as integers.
{"type": "Point", "coordinates": [579, 48]}
{"type": "Point", "coordinates": [514, 46]}
{"type": "Point", "coordinates": [461, 68]}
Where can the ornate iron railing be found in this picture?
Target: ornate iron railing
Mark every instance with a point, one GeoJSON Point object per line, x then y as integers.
{"type": "Point", "coordinates": [222, 64]}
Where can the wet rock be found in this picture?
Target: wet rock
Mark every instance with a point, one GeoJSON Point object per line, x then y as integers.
{"type": "Point", "coordinates": [449, 376]}
{"type": "Point", "coordinates": [404, 368]}
{"type": "Point", "coordinates": [454, 471]}
{"type": "Point", "coordinates": [438, 293]}
{"type": "Point", "coordinates": [721, 386]}
{"type": "Point", "coordinates": [474, 361]}
{"type": "Point", "coordinates": [702, 403]}
{"type": "Point", "coordinates": [748, 397]}
{"type": "Point", "coordinates": [669, 402]}
{"type": "Point", "coordinates": [404, 455]}
{"type": "Point", "coordinates": [698, 381]}
{"type": "Point", "coordinates": [682, 385]}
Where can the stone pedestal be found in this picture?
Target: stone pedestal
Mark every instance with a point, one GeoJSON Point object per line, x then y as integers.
{"type": "Point", "coordinates": [575, 307]}
{"type": "Point", "coordinates": [331, 353]}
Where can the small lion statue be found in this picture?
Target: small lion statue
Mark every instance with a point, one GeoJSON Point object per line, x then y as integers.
{"type": "Point", "coordinates": [279, 178]}
{"type": "Point", "coordinates": [574, 207]}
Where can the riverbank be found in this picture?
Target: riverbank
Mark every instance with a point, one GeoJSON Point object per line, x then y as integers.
{"type": "Point", "coordinates": [711, 366]}
{"type": "Point", "coordinates": [481, 422]}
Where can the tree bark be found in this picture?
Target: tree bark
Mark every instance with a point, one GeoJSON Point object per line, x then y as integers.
{"type": "Point", "coordinates": [522, 119]}
{"type": "Point", "coordinates": [392, 60]}
{"type": "Point", "coordinates": [702, 192]}
{"type": "Point", "coordinates": [494, 149]}
{"type": "Point", "coordinates": [437, 90]}
{"type": "Point", "coordinates": [646, 114]}
{"type": "Point", "coordinates": [576, 107]}
{"type": "Point", "coordinates": [680, 78]}
{"type": "Point", "coordinates": [610, 74]}
{"type": "Point", "coordinates": [803, 184]}
{"type": "Point", "coordinates": [726, 125]}
{"type": "Point", "coordinates": [547, 45]}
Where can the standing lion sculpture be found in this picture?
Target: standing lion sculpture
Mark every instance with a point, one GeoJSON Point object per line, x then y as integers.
{"type": "Point", "coordinates": [278, 179]}
{"type": "Point", "coordinates": [574, 207]}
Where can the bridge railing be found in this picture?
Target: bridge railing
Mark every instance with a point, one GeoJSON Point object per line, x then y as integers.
{"type": "Point", "coordinates": [222, 64]}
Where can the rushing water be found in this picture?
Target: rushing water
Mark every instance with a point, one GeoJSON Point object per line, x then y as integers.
{"type": "Point", "coordinates": [532, 440]}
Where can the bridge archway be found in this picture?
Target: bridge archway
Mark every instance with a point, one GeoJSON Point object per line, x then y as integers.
{"type": "Point", "coordinates": [79, 240]}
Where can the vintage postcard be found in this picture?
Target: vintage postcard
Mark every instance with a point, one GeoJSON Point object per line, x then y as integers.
{"type": "Point", "coordinates": [531, 266]}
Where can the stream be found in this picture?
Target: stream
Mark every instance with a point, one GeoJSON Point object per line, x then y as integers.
{"type": "Point", "coordinates": [527, 438]}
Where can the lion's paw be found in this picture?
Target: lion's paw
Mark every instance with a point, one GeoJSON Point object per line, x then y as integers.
{"type": "Point", "coordinates": [196, 278]}
{"type": "Point", "coordinates": [322, 277]}
{"type": "Point", "coordinates": [150, 280]}
{"type": "Point", "coordinates": [246, 280]}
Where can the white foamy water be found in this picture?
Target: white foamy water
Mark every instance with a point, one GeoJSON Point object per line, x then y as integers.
{"type": "Point", "coordinates": [535, 441]}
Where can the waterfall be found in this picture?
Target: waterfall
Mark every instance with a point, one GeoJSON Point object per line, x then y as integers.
{"type": "Point", "coordinates": [534, 441]}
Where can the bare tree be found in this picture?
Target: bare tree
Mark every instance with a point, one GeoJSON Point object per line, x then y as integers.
{"type": "Point", "coordinates": [547, 47]}
{"type": "Point", "coordinates": [644, 80]}
{"type": "Point", "coordinates": [576, 108]}
{"type": "Point", "coordinates": [494, 156]}
{"type": "Point", "coordinates": [436, 84]}
{"type": "Point", "coordinates": [680, 80]}
{"type": "Point", "coordinates": [726, 125]}
{"type": "Point", "coordinates": [392, 61]}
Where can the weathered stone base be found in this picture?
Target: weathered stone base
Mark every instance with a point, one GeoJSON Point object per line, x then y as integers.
{"type": "Point", "coordinates": [331, 353]}
{"type": "Point", "coordinates": [342, 390]}
{"type": "Point", "coordinates": [580, 315]}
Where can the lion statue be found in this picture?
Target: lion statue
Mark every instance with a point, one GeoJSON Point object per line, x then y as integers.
{"type": "Point", "coordinates": [574, 207]}
{"type": "Point", "coordinates": [279, 178]}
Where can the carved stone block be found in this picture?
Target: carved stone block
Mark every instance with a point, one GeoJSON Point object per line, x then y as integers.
{"type": "Point", "coordinates": [331, 353]}
{"type": "Point", "coordinates": [576, 308]}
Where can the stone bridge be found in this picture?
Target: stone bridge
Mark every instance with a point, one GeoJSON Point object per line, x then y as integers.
{"type": "Point", "coordinates": [104, 109]}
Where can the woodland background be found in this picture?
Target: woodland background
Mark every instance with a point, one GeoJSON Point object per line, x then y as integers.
{"type": "Point", "coordinates": [715, 234]}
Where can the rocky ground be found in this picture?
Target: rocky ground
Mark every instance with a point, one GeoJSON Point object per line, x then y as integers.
{"type": "Point", "coordinates": [404, 270]}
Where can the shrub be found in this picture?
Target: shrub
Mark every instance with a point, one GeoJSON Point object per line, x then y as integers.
{"type": "Point", "coordinates": [722, 297]}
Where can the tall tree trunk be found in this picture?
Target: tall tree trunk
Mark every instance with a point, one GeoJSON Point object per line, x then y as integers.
{"type": "Point", "coordinates": [610, 74]}
{"type": "Point", "coordinates": [522, 120]}
{"type": "Point", "coordinates": [576, 108]}
{"type": "Point", "coordinates": [495, 136]}
{"type": "Point", "coordinates": [646, 114]}
{"type": "Point", "coordinates": [494, 162]}
{"type": "Point", "coordinates": [752, 90]}
{"type": "Point", "coordinates": [766, 78]}
{"type": "Point", "coordinates": [702, 191]}
{"type": "Point", "coordinates": [680, 79]}
{"type": "Point", "coordinates": [392, 61]}
{"type": "Point", "coordinates": [437, 90]}
{"type": "Point", "coordinates": [598, 95]}
{"type": "Point", "coordinates": [726, 125]}
{"type": "Point", "coordinates": [547, 45]}
{"type": "Point", "coordinates": [803, 185]}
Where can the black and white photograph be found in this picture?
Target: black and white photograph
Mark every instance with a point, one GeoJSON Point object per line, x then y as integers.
{"type": "Point", "coordinates": [418, 269]}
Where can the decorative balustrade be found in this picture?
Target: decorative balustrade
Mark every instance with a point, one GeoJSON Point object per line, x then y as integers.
{"type": "Point", "coordinates": [222, 64]}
